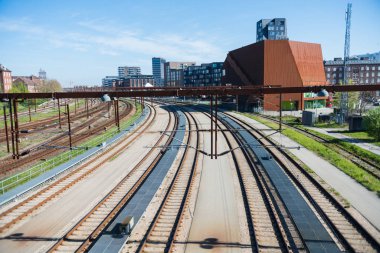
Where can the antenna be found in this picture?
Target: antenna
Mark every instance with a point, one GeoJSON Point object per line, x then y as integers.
{"type": "Point", "coordinates": [344, 95]}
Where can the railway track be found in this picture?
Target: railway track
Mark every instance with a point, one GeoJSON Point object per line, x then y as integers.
{"type": "Point", "coordinates": [31, 204]}
{"type": "Point", "coordinates": [42, 124]}
{"type": "Point", "coordinates": [267, 233]}
{"type": "Point", "coordinates": [368, 165]}
{"type": "Point", "coordinates": [345, 229]}
{"type": "Point", "coordinates": [88, 229]}
{"type": "Point", "coordinates": [162, 232]}
{"type": "Point", "coordinates": [61, 140]}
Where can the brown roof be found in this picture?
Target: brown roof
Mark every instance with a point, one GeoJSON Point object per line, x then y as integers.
{"type": "Point", "coordinates": [28, 80]}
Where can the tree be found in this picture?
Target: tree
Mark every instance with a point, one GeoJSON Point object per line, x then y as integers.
{"type": "Point", "coordinates": [19, 88]}
{"type": "Point", "coordinates": [51, 85]}
{"type": "Point", "coordinates": [372, 123]}
{"type": "Point", "coordinates": [357, 100]}
{"type": "Point", "coordinates": [365, 99]}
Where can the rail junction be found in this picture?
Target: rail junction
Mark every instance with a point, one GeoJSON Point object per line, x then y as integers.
{"type": "Point", "coordinates": [187, 178]}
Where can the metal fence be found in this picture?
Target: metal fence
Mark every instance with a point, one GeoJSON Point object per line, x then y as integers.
{"type": "Point", "coordinates": [36, 170]}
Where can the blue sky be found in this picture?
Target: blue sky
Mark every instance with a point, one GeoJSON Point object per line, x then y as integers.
{"type": "Point", "coordinates": [80, 42]}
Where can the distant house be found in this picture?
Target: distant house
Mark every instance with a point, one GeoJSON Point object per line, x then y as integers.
{"type": "Point", "coordinates": [32, 83]}
{"type": "Point", "coordinates": [5, 79]}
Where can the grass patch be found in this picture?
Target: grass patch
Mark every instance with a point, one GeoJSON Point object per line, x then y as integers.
{"type": "Point", "coordinates": [361, 152]}
{"type": "Point", "coordinates": [330, 125]}
{"type": "Point", "coordinates": [360, 175]}
{"type": "Point", "coordinates": [51, 163]}
{"type": "Point", "coordinates": [362, 136]}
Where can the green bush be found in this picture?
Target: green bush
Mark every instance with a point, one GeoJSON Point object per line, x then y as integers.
{"type": "Point", "coordinates": [372, 123]}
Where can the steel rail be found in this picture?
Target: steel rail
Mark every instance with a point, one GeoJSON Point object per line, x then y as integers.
{"type": "Point", "coordinates": [179, 176]}
{"type": "Point", "coordinates": [364, 163]}
{"type": "Point", "coordinates": [42, 122]}
{"type": "Point", "coordinates": [273, 209]}
{"type": "Point", "coordinates": [69, 176]}
{"type": "Point", "coordinates": [93, 235]}
{"type": "Point", "coordinates": [10, 164]}
{"type": "Point", "coordinates": [347, 242]}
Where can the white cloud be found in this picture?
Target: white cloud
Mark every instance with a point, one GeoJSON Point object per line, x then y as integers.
{"type": "Point", "coordinates": [108, 39]}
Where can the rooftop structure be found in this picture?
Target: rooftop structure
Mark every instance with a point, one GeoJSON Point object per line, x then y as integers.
{"type": "Point", "coordinates": [42, 74]}
{"type": "Point", "coordinates": [271, 29]}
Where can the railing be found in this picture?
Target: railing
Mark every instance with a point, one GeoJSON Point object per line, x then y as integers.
{"type": "Point", "coordinates": [36, 170]}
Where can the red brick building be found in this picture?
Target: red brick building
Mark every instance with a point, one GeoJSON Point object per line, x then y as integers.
{"type": "Point", "coordinates": [5, 79]}
{"type": "Point", "coordinates": [276, 63]}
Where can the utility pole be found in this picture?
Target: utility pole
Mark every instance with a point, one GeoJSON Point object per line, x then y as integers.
{"type": "Point", "coordinates": [12, 129]}
{"type": "Point", "coordinates": [59, 114]}
{"type": "Point", "coordinates": [344, 95]}
{"type": "Point", "coordinates": [69, 123]}
{"type": "Point", "coordinates": [280, 108]}
{"type": "Point", "coordinates": [16, 128]}
{"type": "Point", "coordinates": [30, 116]}
{"type": "Point", "coordinates": [6, 127]}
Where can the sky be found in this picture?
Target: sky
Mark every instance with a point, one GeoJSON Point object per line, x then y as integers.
{"type": "Point", "coordinates": [80, 42]}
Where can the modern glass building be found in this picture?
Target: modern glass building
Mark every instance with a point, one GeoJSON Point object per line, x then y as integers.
{"type": "Point", "coordinates": [207, 74]}
{"type": "Point", "coordinates": [126, 71]}
{"type": "Point", "coordinates": [158, 70]}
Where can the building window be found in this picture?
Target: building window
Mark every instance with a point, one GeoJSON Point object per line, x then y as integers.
{"type": "Point", "coordinates": [340, 74]}
{"type": "Point", "coordinates": [328, 75]}
{"type": "Point", "coordinates": [366, 80]}
{"type": "Point", "coordinates": [361, 74]}
{"type": "Point", "coordinates": [328, 69]}
{"type": "Point", "coordinates": [367, 74]}
{"type": "Point", "coordinates": [373, 74]}
{"type": "Point", "coordinates": [334, 69]}
{"type": "Point", "coordinates": [366, 68]}
{"type": "Point", "coordinates": [361, 68]}
{"type": "Point", "coordinates": [373, 68]}
{"type": "Point", "coordinates": [378, 80]}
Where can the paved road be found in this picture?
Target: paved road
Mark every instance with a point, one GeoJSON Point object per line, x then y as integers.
{"type": "Point", "coordinates": [366, 202]}
{"type": "Point", "coordinates": [39, 232]}
{"type": "Point", "coordinates": [333, 132]}
{"type": "Point", "coordinates": [215, 226]}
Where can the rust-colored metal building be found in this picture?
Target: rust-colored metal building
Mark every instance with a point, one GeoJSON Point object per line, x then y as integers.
{"type": "Point", "coordinates": [276, 63]}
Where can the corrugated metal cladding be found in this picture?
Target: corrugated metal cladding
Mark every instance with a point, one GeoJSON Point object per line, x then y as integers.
{"type": "Point", "coordinates": [276, 62]}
